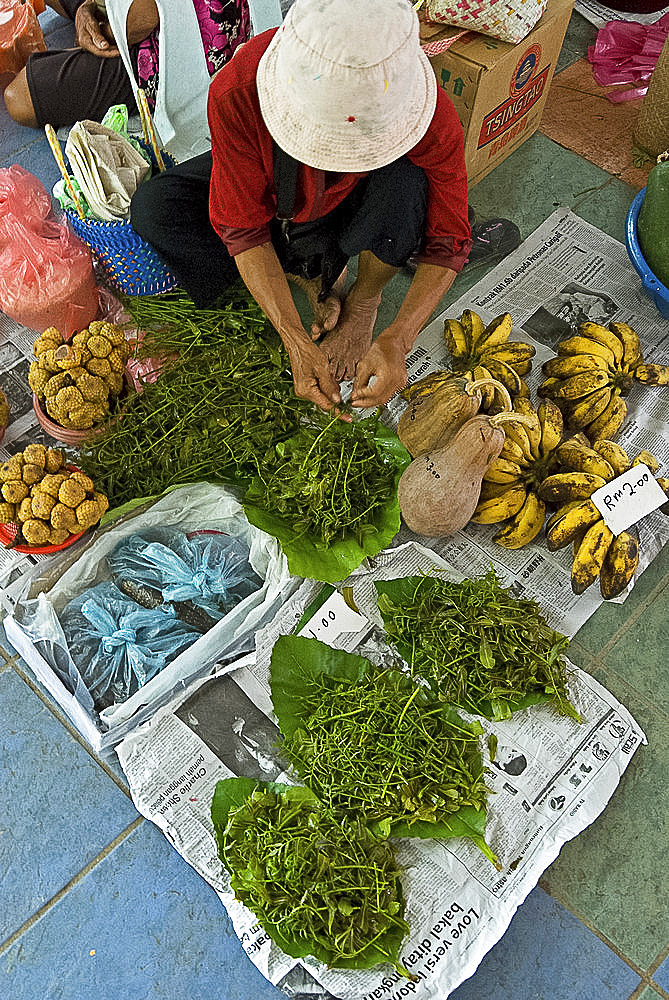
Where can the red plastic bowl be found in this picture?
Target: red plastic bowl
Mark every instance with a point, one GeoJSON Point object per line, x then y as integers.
{"type": "Point", "coordinates": [8, 533]}
{"type": "Point", "coordinates": [10, 530]}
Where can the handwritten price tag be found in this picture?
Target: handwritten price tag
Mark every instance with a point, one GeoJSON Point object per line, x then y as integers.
{"type": "Point", "coordinates": [628, 498]}
{"type": "Point", "coordinates": [333, 619]}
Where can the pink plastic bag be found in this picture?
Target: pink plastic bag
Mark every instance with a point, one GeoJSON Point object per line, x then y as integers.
{"type": "Point", "coordinates": [46, 272]}
{"type": "Point", "coordinates": [626, 52]}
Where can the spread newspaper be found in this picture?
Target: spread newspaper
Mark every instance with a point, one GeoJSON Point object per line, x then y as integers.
{"type": "Point", "coordinates": [550, 777]}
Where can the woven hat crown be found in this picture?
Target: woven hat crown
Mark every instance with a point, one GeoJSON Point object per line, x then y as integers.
{"type": "Point", "coordinates": [344, 84]}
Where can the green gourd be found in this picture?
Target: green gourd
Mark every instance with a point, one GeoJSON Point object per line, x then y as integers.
{"type": "Point", "coordinates": [653, 222]}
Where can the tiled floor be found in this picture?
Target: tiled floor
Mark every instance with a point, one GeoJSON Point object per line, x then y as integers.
{"type": "Point", "coordinates": [93, 900]}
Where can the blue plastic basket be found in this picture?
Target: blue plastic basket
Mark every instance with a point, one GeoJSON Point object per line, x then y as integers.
{"type": "Point", "coordinates": [129, 263]}
{"type": "Point", "coordinates": [658, 292]}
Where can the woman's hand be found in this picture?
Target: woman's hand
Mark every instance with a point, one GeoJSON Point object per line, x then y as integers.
{"type": "Point", "coordinates": [311, 375]}
{"type": "Point", "coordinates": [92, 34]}
{"type": "Point", "coordinates": [381, 372]}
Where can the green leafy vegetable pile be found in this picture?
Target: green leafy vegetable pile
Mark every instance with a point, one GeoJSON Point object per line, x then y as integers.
{"type": "Point", "coordinates": [319, 885]}
{"type": "Point", "coordinates": [477, 645]}
{"type": "Point", "coordinates": [371, 742]}
{"type": "Point", "coordinates": [329, 494]}
{"type": "Point", "coordinates": [223, 409]}
{"type": "Point", "coordinates": [328, 482]}
{"type": "Point", "coordinates": [212, 414]}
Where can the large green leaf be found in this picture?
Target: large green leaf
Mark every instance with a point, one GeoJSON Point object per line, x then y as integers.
{"type": "Point", "coordinates": [297, 666]}
{"type": "Point", "coordinates": [233, 795]}
{"type": "Point", "coordinates": [296, 663]}
{"type": "Point", "coordinates": [308, 557]}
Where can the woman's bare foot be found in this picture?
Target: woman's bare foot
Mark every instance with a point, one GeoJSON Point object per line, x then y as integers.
{"type": "Point", "coordinates": [351, 338]}
{"type": "Point", "coordinates": [326, 312]}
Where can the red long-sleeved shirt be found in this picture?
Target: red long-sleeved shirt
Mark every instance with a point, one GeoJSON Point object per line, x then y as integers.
{"type": "Point", "coordinates": [242, 200]}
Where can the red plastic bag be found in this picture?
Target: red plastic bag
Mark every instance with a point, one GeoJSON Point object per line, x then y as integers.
{"type": "Point", "coordinates": [20, 33]}
{"type": "Point", "coordinates": [46, 272]}
{"type": "Point", "coordinates": [626, 52]}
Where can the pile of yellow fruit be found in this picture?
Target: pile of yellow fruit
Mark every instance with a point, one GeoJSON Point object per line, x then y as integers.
{"type": "Point", "coordinates": [47, 500]}
{"type": "Point", "coordinates": [77, 382]}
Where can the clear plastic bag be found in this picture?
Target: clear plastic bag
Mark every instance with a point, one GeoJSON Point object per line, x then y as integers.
{"type": "Point", "coordinates": [46, 272]}
{"type": "Point", "coordinates": [208, 569]}
{"type": "Point", "coordinates": [118, 646]}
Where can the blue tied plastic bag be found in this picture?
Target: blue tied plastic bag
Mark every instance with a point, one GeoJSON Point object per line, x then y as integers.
{"type": "Point", "coordinates": [119, 646]}
{"type": "Point", "coordinates": [211, 570]}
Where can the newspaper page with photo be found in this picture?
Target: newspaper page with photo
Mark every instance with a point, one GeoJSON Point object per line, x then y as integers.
{"type": "Point", "coordinates": [566, 273]}
{"type": "Point", "coordinates": [550, 778]}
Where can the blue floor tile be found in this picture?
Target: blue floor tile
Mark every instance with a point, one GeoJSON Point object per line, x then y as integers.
{"type": "Point", "coordinates": [142, 924]}
{"type": "Point", "coordinates": [58, 811]}
{"type": "Point", "coordinates": [547, 954]}
{"type": "Point", "coordinates": [661, 977]}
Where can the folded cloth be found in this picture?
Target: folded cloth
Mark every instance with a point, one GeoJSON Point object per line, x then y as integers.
{"type": "Point", "coordinates": [108, 168]}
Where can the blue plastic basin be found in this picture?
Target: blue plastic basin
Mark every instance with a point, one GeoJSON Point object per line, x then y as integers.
{"type": "Point", "coordinates": [657, 291]}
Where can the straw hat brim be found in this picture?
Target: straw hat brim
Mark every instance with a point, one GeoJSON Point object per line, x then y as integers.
{"type": "Point", "coordinates": [344, 148]}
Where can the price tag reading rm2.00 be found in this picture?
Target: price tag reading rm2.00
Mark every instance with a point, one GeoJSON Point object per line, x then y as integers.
{"type": "Point", "coordinates": [628, 498]}
{"type": "Point", "coordinates": [333, 619]}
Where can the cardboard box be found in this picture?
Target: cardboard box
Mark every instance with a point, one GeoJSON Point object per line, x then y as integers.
{"type": "Point", "coordinates": [498, 89]}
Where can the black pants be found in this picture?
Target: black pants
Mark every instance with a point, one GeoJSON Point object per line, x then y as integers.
{"type": "Point", "coordinates": [385, 213]}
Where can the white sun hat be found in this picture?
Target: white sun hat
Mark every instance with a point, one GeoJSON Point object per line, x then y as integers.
{"type": "Point", "coordinates": [344, 84]}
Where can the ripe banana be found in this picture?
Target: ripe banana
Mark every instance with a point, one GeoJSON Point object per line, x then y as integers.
{"type": "Point", "coordinates": [504, 373]}
{"type": "Point", "coordinates": [496, 332]}
{"type": "Point", "coordinates": [473, 326]}
{"type": "Point", "coordinates": [585, 345]}
{"type": "Point", "coordinates": [572, 364]}
{"type": "Point", "coordinates": [487, 391]}
{"type": "Point", "coordinates": [560, 512]}
{"type": "Point", "coordinates": [664, 484]}
{"type": "Point", "coordinates": [503, 471]}
{"type": "Point", "coordinates": [585, 410]}
{"type": "Point", "coordinates": [524, 406]}
{"type": "Point", "coordinates": [500, 508]}
{"type": "Point", "coordinates": [490, 489]}
{"type": "Point", "coordinates": [429, 384]}
{"type": "Point", "coordinates": [564, 486]}
{"type": "Point", "coordinates": [550, 419]}
{"type": "Point", "coordinates": [513, 452]}
{"type": "Point", "coordinates": [589, 558]}
{"type": "Point", "coordinates": [619, 566]}
{"type": "Point", "coordinates": [614, 455]}
{"type": "Point", "coordinates": [455, 337]}
{"type": "Point", "coordinates": [652, 374]}
{"type": "Point", "coordinates": [524, 526]}
{"type": "Point", "coordinates": [610, 420]}
{"type": "Point", "coordinates": [647, 459]}
{"type": "Point", "coordinates": [513, 351]}
{"type": "Point", "coordinates": [570, 524]}
{"type": "Point", "coordinates": [632, 354]}
{"type": "Point", "coordinates": [582, 459]}
{"type": "Point", "coordinates": [576, 386]}
{"type": "Point", "coordinates": [517, 433]}
{"type": "Point", "coordinates": [600, 335]}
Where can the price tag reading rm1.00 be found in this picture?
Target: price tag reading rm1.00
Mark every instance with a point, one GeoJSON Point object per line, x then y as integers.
{"type": "Point", "coordinates": [333, 619]}
{"type": "Point", "coordinates": [628, 498]}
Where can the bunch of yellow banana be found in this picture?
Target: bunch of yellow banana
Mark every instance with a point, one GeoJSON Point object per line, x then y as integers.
{"type": "Point", "coordinates": [481, 351]}
{"type": "Point", "coordinates": [598, 553]}
{"type": "Point", "coordinates": [509, 491]}
{"type": "Point", "coordinates": [592, 373]}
